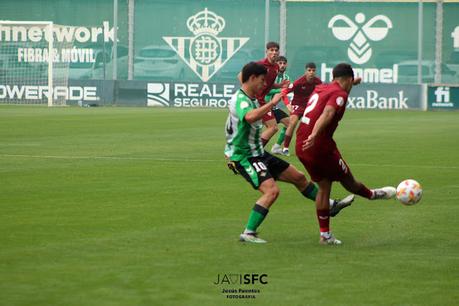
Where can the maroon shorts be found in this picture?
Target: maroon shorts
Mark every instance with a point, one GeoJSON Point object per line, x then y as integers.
{"type": "Point", "coordinates": [269, 116]}
{"type": "Point", "coordinates": [325, 165]}
{"type": "Point", "coordinates": [297, 110]}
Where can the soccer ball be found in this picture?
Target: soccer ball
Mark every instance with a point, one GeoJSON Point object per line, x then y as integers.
{"type": "Point", "coordinates": [409, 192]}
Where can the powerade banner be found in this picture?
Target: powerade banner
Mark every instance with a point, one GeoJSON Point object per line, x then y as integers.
{"type": "Point", "coordinates": [215, 95]}
{"type": "Point", "coordinates": [364, 96]}
{"type": "Point", "coordinates": [443, 97]}
{"type": "Point", "coordinates": [89, 92]}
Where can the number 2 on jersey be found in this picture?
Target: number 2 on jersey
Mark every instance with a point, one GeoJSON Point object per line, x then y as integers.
{"type": "Point", "coordinates": [311, 104]}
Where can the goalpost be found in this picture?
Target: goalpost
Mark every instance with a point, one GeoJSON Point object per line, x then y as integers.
{"type": "Point", "coordinates": [32, 68]}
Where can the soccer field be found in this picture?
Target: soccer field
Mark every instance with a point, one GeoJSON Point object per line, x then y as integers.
{"type": "Point", "coordinates": [135, 206]}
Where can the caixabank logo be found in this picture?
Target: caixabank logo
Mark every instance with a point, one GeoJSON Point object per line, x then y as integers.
{"type": "Point", "coordinates": [205, 53]}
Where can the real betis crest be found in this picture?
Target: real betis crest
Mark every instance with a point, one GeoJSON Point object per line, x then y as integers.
{"type": "Point", "coordinates": [205, 53]}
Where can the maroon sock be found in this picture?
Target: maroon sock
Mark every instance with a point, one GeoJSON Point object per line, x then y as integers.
{"type": "Point", "coordinates": [324, 219]}
{"type": "Point", "coordinates": [365, 192]}
{"type": "Point", "coordinates": [287, 141]}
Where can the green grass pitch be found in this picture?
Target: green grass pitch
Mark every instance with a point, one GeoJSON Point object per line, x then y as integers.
{"type": "Point", "coordinates": [135, 206]}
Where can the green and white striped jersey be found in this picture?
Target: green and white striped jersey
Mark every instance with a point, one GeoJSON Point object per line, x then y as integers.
{"type": "Point", "coordinates": [280, 77]}
{"type": "Point", "coordinates": [243, 140]}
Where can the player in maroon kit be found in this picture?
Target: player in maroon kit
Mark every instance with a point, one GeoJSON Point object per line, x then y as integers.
{"type": "Point", "coordinates": [302, 89]}
{"type": "Point", "coordinates": [318, 152]}
{"type": "Point", "coordinates": [269, 120]}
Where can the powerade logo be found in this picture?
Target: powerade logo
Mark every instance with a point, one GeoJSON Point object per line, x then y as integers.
{"type": "Point", "coordinates": [189, 94]}
{"type": "Point", "coordinates": [361, 33]}
{"type": "Point", "coordinates": [29, 92]}
{"type": "Point", "coordinates": [205, 53]}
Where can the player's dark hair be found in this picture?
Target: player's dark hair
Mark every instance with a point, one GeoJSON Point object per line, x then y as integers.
{"type": "Point", "coordinates": [252, 68]}
{"type": "Point", "coordinates": [281, 58]}
{"type": "Point", "coordinates": [343, 70]}
{"type": "Point", "coordinates": [310, 65]}
{"type": "Point", "coordinates": [272, 44]}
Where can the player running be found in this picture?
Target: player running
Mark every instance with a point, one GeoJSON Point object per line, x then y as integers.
{"type": "Point", "coordinates": [279, 114]}
{"type": "Point", "coordinates": [302, 89]}
{"type": "Point", "coordinates": [318, 152]}
{"type": "Point", "coordinates": [247, 157]}
{"type": "Point", "coordinates": [272, 68]}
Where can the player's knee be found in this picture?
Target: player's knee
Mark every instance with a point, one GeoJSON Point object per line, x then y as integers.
{"type": "Point", "coordinates": [273, 193]}
{"type": "Point", "coordinates": [275, 128]}
{"type": "Point", "coordinates": [299, 179]}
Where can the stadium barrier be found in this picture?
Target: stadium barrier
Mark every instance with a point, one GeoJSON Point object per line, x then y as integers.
{"type": "Point", "coordinates": [217, 95]}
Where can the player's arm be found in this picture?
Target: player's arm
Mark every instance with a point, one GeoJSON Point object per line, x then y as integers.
{"type": "Point", "coordinates": [258, 113]}
{"type": "Point", "coordinates": [271, 93]}
{"type": "Point", "coordinates": [283, 84]}
{"type": "Point", "coordinates": [324, 120]}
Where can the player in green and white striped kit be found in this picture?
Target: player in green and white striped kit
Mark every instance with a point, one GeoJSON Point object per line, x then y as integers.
{"type": "Point", "coordinates": [279, 113]}
{"type": "Point", "coordinates": [246, 156]}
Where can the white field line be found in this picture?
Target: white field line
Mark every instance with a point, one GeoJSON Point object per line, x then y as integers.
{"type": "Point", "coordinates": [6, 156]}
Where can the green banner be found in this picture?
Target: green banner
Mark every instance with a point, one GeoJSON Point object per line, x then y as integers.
{"type": "Point", "coordinates": [378, 39]}
{"type": "Point", "coordinates": [210, 41]}
{"type": "Point", "coordinates": [443, 97]}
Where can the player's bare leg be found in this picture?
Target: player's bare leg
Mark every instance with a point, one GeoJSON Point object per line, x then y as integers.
{"type": "Point", "coordinates": [293, 121]}
{"type": "Point", "coordinates": [271, 129]}
{"type": "Point", "coordinates": [309, 189]}
{"type": "Point", "coordinates": [277, 147]}
{"type": "Point", "coordinates": [354, 186]}
{"type": "Point", "coordinates": [270, 192]}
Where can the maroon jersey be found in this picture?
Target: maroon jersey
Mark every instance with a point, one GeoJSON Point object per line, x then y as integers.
{"type": "Point", "coordinates": [327, 94]}
{"type": "Point", "coordinates": [302, 89]}
{"type": "Point", "coordinates": [273, 70]}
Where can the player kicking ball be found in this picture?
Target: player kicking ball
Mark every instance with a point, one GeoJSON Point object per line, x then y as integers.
{"type": "Point", "coordinates": [318, 152]}
{"type": "Point", "coordinates": [246, 156]}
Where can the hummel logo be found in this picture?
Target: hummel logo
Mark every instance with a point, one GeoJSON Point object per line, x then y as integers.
{"type": "Point", "coordinates": [359, 51]}
{"type": "Point", "coordinates": [250, 171]}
